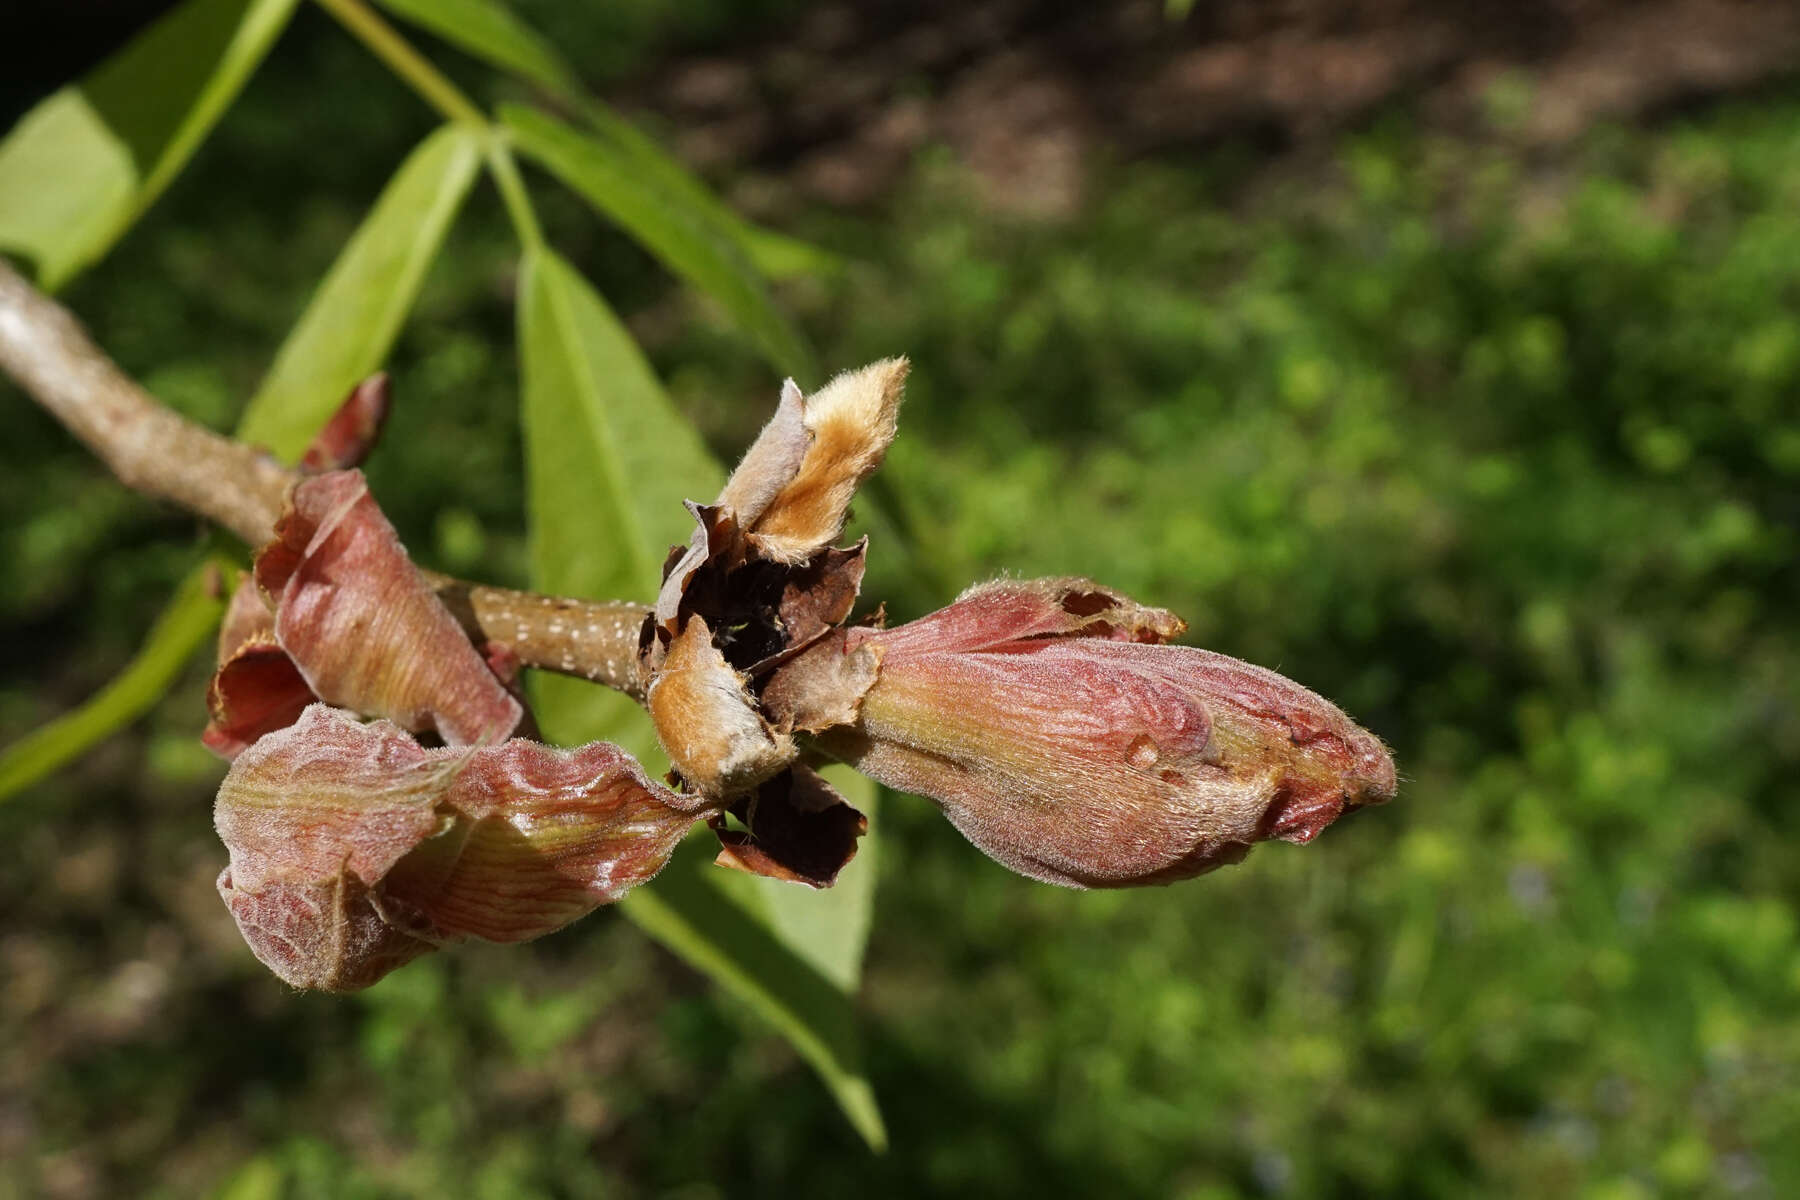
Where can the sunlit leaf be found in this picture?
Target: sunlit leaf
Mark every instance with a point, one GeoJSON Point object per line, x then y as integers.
{"type": "Point", "coordinates": [683, 909]}
{"type": "Point", "coordinates": [181, 630]}
{"type": "Point", "coordinates": [609, 460]}
{"type": "Point", "coordinates": [260, 1178]}
{"type": "Point", "coordinates": [782, 257]}
{"type": "Point", "coordinates": [490, 31]}
{"type": "Point", "coordinates": [617, 187]}
{"type": "Point", "coordinates": [82, 166]}
{"type": "Point", "coordinates": [350, 324]}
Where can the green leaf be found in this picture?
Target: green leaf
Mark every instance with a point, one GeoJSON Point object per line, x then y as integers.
{"type": "Point", "coordinates": [350, 324]}
{"type": "Point", "coordinates": [774, 255]}
{"type": "Point", "coordinates": [683, 910]}
{"type": "Point", "coordinates": [609, 460]}
{"type": "Point", "coordinates": [616, 185]}
{"type": "Point", "coordinates": [490, 31]}
{"type": "Point", "coordinates": [610, 457]}
{"type": "Point", "coordinates": [83, 165]}
{"type": "Point", "coordinates": [181, 630]}
{"type": "Point", "coordinates": [779, 256]}
{"type": "Point", "coordinates": [260, 1178]}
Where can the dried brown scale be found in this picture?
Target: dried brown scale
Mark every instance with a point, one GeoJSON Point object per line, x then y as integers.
{"type": "Point", "coordinates": [804, 832]}
{"type": "Point", "coordinates": [757, 583]}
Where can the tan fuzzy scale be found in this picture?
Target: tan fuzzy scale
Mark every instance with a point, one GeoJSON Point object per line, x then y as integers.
{"type": "Point", "coordinates": [772, 460]}
{"type": "Point", "coordinates": [822, 687]}
{"type": "Point", "coordinates": [852, 421]}
{"type": "Point", "coordinates": [707, 723]}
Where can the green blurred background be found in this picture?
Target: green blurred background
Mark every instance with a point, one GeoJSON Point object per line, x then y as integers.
{"type": "Point", "coordinates": [1447, 364]}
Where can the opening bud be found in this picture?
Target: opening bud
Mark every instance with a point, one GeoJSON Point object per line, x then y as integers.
{"type": "Point", "coordinates": [1060, 736]}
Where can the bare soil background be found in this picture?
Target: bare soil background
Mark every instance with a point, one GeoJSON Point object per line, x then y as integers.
{"type": "Point", "coordinates": [835, 102]}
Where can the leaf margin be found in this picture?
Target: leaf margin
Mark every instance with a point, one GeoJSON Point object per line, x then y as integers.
{"type": "Point", "coordinates": [107, 218]}
{"type": "Point", "coordinates": [177, 634]}
{"type": "Point", "coordinates": [296, 395]}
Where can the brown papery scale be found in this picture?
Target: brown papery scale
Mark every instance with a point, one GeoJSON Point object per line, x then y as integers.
{"type": "Point", "coordinates": [758, 583]}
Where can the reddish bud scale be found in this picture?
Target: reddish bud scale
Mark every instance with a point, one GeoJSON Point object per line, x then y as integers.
{"type": "Point", "coordinates": [352, 431]}
{"type": "Point", "coordinates": [364, 627]}
{"type": "Point", "coordinates": [1094, 762]}
{"type": "Point", "coordinates": [354, 849]}
{"type": "Point", "coordinates": [257, 688]}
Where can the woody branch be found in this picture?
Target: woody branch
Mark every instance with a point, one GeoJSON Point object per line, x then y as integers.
{"type": "Point", "coordinates": [155, 450]}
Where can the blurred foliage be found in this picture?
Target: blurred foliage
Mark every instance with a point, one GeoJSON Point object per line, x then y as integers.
{"type": "Point", "coordinates": [1499, 450]}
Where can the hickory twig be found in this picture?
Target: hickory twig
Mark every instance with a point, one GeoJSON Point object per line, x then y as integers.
{"type": "Point", "coordinates": [155, 450]}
